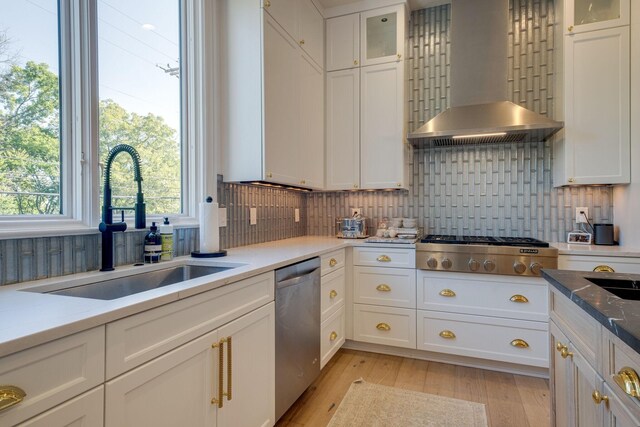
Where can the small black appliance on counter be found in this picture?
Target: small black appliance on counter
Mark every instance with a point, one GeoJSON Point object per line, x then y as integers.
{"type": "Point", "coordinates": [603, 234]}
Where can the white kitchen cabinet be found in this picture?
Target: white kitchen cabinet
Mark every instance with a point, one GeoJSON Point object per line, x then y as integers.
{"type": "Point", "coordinates": [343, 129]}
{"type": "Point", "coordinates": [596, 145]}
{"type": "Point", "coordinates": [273, 100]}
{"type": "Point", "coordinates": [285, 13]}
{"type": "Point", "coordinates": [383, 149]}
{"type": "Point", "coordinates": [343, 42]}
{"type": "Point", "coordinates": [210, 381]}
{"type": "Point", "coordinates": [382, 35]}
{"type": "Point", "coordinates": [599, 263]}
{"type": "Point", "coordinates": [590, 15]}
{"type": "Point", "coordinates": [332, 304]}
{"type": "Point", "coordinates": [86, 410]}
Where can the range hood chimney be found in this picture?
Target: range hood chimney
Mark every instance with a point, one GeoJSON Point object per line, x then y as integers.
{"type": "Point", "coordinates": [479, 111]}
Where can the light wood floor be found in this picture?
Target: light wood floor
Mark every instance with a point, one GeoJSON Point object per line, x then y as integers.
{"type": "Point", "coordinates": [512, 400]}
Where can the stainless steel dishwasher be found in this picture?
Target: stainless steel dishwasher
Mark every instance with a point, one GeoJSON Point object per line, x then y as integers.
{"type": "Point", "coordinates": [297, 331]}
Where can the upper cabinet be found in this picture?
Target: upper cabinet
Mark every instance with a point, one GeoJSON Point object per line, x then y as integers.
{"type": "Point", "coordinates": [382, 35]}
{"type": "Point", "coordinates": [595, 147]}
{"type": "Point", "coordinates": [589, 15]}
{"type": "Point", "coordinates": [303, 22]}
{"type": "Point", "coordinates": [343, 42]}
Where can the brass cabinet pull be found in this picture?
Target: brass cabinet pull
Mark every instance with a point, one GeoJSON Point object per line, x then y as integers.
{"type": "Point", "coordinates": [333, 294]}
{"type": "Point", "coordinates": [399, 56]}
{"type": "Point", "coordinates": [519, 298]}
{"type": "Point", "coordinates": [570, 29]}
{"type": "Point", "coordinates": [333, 262]}
{"type": "Point", "coordinates": [301, 42]}
{"type": "Point", "coordinates": [572, 180]}
{"type": "Point", "coordinates": [520, 343]}
{"type": "Point", "coordinates": [229, 371]}
{"type": "Point", "coordinates": [598, 398]}
{"type": "Point", "coordinates": [355, 62]}
{"type": "Point", "coordinates": [269, 175]}
{"type": "Point", "coordinates": [447, 293]}
{"type": "Point", "coordinates": [448, 335]}
{"type": "Point", "coordinates": [604, 269]}
{"type": "Point", "coordinates": [384, 258]}
{"type": "Point", "coordinates": [383, 288]}
{"type": "Point", "coordinates": [383, 327]}
{"type": "Point", "coordinates": [333, 336]}
{"type": "Point", "coordinates": [220, 346]}
{"type": "Point", "coordinates": [267, 3]}
{"type": "Point", "coordinates": [10, 395]}
{"type": "Point", "coordinates": [627, 379]}
{"type": "Point", "coordinates": [564, 350]}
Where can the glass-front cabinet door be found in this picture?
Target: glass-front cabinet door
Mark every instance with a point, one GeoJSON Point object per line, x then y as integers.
{"type": "Point", "coordinates": [382, 35]}
{"type": "Point", "coordinates": [589, 15]}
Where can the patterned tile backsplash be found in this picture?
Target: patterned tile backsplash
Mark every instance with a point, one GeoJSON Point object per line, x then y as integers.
{"type": "Point", "coordinates": [494, 190]}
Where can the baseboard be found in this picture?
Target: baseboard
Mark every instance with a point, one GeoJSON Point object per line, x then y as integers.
{"type": "Point", "coordinates": [492, 365]}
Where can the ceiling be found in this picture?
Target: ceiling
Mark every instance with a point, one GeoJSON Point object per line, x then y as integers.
{"type": "Point", "coordinates": [415, 4]}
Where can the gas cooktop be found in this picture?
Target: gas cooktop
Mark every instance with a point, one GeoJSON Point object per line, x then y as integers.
{"type": "Point", "coordinates": [484, 240]}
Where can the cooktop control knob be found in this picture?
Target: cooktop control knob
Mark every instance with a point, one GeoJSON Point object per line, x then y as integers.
{"type": "Point", "coordinates": [535, 268]}
{"type": "Point", "coordinates": [489, 266]}
{"type": "Point", "coordinates": [446, 263]}
{"type": "Point", "coordinates": [519, 267]}
{"type": "Point", "coordinates": [432, 262]}
{"type": "Point", "coordinates": [473, 265]}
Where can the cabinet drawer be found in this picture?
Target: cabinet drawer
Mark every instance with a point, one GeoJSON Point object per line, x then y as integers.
{"type": "Point", "coordinates": [332, 261]}
{"type": "Point", "coordinates": [332, 293]}
{"type": "Point", "coordinates": [384, 325]}
{"type": "Point", "coordinates": [139, 338]}
{"type": "Point", "coordinates": [619, 355]}
{"type": "Point", "coordinates": [394, 287]}
{"type": "Point", "coordinates": [384, 257]}
{"type": "Point", "coordinates": [588, 263]}
{"type": "Point", "coordinates": [86, 410]}
{"type": "Point", "coordinates": [582, 330]}
{"type": "Point", "coordinates": [501, 296]}
{"type": "Point", "coordinates": [52, 373]}
{"type": "Point", "coordinates": [485, 338]}
{"type": "Point", "coordinates": [332, 336]}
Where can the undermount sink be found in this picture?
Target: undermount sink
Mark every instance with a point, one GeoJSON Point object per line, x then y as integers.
{"type": "Point", "coordinates": [623, 288]}
{"type": "Point", "coordinates": [135, 283]}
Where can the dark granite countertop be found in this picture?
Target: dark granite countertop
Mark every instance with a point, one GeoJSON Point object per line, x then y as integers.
{"type": "Point", "coordinates": [620, 316]}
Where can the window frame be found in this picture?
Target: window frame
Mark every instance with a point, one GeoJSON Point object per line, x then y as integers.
{"type": "Point", "coordinates": [80, 171]}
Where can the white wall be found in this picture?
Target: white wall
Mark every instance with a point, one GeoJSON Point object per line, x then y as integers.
{"type": "Point", "coordinates": [626, 199]}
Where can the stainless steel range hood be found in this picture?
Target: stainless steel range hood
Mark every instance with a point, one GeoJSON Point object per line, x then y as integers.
{"type": "Point", "coordinates": [479, 111]}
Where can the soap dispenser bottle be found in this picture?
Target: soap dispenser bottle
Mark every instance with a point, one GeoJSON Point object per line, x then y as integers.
{"type": "Point", "coordinates": [152, 245]}
{"type": "Point", "coordinates": [166, 232]}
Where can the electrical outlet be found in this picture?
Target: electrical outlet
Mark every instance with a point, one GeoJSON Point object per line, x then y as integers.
{"type": "Point", "coordinates": [253, 216]}
{"type": "Point", "coordinates": [222, 217]}
{"type": "Point", "coordinates": [296, 214]}
{"type": "Point", "coordinates": [356, 211]}
{"type": "Point", "coordinates": [580, 217]}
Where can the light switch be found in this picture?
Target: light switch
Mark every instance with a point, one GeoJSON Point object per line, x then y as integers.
{"type": "Point", "coordinates": [253, 216]}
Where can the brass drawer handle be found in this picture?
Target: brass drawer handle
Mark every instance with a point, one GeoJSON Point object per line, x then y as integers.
{"type": "Point", "coordinates": [627, 379]}
{"type": "Point", "coordinates": [301, 42]}
{"type": "Point", "coordinates": [570, 30]}
{"type": "Point", "coordinates": [520, 343]}
{"type": "Point", "coordinates": [564, 350]}
{"type": "Point", "coordinates": [519, 298]}
{"type": "Point", "coordinates": [383, 327]}
{"type": "Point", "coordinates": [267, 3]}
{"type": "Point", "coordinates": [218, 400]}
{"type": "Point", "coordinates": [333, 262]}
{"type": "Point", "coordinates": [447, 293]}
{"type": "Point", "coordinates": [355, 62]}
{"type": "Point", "coordinates": [333, 294]}
{"type": "Point", "coordinates": [604, 269]}
{"type": "Point", "coordinates": [229, 371]}
{"type": "Point", "coordinates": [448, 335]}
{"type": "Point", "coordinates": [333, 336]}
{"type": "Point", "coordinates": [383, 288]}
{"type": "Point", "coordinates": [10, 395]}
{"type": "Point", "coordinates": [598, 398]}
{"type": "Point", "coordinates": [384, 258]}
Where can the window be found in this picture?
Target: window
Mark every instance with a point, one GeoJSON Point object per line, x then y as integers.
{"type": "Point", "coordinates": [139, 85]}
{"type": "Point", "coordinates": [30, 110]}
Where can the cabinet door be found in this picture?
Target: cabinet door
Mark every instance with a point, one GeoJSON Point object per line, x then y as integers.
{"type": "Point", "coordinates": [173, 390]}
{"type": "Point", "coordinates": [311, 30]}
{"type": "Point", "coordinates": [285, 13]}
{"type": "Point", "coordinates": [343, 42]}
{"type": "Point", "coordinates": [590, 15]}
{"type": "Point", "coordinates": [382, 35]}
{"type": "Point", "coordinates": [281, 128]}
{"type": "Point", "coordinates": [249, 370]}
{"type": "Point", "coordinates": [381, 124]}
{"type": "Point", "coordinates": [585, 382]}
{"type": "Point", "coordinates": [343, 130]}
{"type": "Point", "coordinates": [560, 372]}
{"type": "Point", "coordinates": [85, 410]}
{"type": "Point", "coordinates": [311, 123]}
{"type": "Point", "coordinates": [597, 110]}
{"type": "Point", "coordinates": [617, 413]}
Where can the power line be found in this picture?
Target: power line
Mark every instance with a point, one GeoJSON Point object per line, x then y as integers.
{"type": "Point", "coordinates": [135, 38]}
{"type": "Point", "coordinates": [42, 8]}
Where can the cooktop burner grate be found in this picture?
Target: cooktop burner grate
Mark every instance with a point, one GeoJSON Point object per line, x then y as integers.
{"type": "Point", "coordinates": [484, 240]}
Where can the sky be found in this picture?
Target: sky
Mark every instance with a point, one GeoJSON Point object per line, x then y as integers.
{"type": "Point", "coordinates": [134, 38]}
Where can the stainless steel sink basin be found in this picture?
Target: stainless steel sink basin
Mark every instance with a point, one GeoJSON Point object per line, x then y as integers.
{"type": "Point", "coordinates": [623, 288]}
{"type": "Point", "coordinates": [136, 283]}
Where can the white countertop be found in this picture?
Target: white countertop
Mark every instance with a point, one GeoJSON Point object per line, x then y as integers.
{"type": "Point", "coordinates": [597, 250]}
{"type": "Point", "coordinates": [34, 318]}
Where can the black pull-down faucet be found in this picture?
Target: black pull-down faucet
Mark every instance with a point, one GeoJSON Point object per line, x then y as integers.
{"type": "Point", "coordinates": [107, 226]}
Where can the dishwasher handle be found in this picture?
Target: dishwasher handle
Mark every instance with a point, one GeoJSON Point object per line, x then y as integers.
{"type": "Point", "coordinates": [297, 279]}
